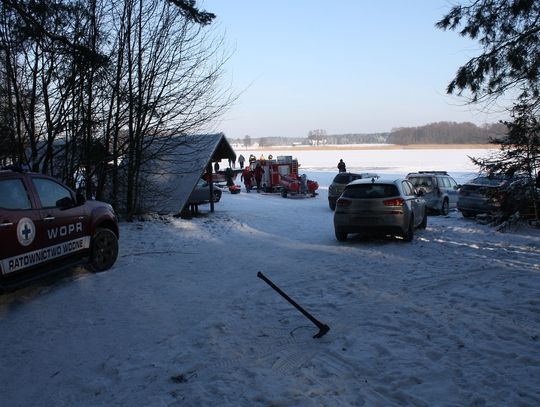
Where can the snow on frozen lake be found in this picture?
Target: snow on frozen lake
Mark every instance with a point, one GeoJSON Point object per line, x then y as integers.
{"type": "Point", "coordinates": [452, 318]}
{"type": "Point", "coordinates": [385, 161]}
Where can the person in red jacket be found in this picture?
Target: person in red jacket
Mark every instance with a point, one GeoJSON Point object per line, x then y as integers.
{"type": "Point", "coordinates": [247, 177]}
{"type": "Point", "coordinates": [259, 171]}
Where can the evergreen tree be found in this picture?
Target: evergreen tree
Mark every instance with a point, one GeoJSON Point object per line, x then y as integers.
{"type": "Point", "coordinates": [509, 34]}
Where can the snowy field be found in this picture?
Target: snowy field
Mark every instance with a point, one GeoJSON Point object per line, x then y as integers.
{"type": "Point", "coordinates": [451, 319]}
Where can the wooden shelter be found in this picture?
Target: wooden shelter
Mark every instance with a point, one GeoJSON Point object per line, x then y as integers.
{"type": "Point", "coordinates": [170, 178]}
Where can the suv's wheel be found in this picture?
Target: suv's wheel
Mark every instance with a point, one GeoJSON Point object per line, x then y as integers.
{"type": "Point", "coordinates": [466, 214]}
{"type": "Point", "coordinates": [332, 205]}
{"type": "Point", "coordinates": [423, 225]}
{"type": "Point", "coordinates": [341, 235]}
{"type": "Point", "coordinates": [408, 235]}
{"type": "Point", "coordinates": [445, 208]}
{"type": "Point", "coordinates": [217, 196]}
{"type": "Point", "coordinates": [104, 249]}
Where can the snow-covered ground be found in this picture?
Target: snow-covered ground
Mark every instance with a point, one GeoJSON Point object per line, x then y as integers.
{"type": "Point", "coordinates": [451, 319]}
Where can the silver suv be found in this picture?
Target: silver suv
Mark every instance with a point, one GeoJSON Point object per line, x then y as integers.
{"type": "Point", "coordinates": [340, 182]}
{"type": "Point", "coordinates": [379, 207]}
{"type": "Point", "coordinates": [439, 190]}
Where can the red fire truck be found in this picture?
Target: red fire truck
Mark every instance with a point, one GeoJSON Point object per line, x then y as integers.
{"type": "Point", "coordinates": [281, 175]}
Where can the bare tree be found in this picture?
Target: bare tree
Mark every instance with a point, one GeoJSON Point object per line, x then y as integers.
{"type": "Point", "coordinates": [166, 84]}
{"type": "Point", "coordinates": [93, 86]}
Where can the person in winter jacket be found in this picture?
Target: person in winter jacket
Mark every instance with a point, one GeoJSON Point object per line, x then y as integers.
{"type": "Point", "coordinates": [241, 161]}
{"type": "Point", "coordinates": [259, 171]}
{"type": "Point", "coordinates": [229, 174]}
{"type": "Point", "coordinates": [247, 177]}
{"type": "Point", "coordinates": [341, 166]}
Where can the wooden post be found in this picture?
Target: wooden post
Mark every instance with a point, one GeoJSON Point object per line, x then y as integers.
{"type": "Point", "coordinates": [209, 170]}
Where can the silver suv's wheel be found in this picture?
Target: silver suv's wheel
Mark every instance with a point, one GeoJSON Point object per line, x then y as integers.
{"type": "Point", "coordinates": [408, 235]}
{"type": "Point", "coordinates": [423, 225]}
{"type": "Point", "coordinates": [445, 208]}
{"type": "Point", "coordinates": [104, 249]}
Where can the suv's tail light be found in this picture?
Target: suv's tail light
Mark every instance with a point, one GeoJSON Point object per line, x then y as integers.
{"type": "Point", "coordinates": [394, 202]}
{"type": "Point", "coordinates": [343, 202]}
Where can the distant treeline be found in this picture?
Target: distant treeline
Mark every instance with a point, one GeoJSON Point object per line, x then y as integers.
{"type": "Point", "coordinates": [434, 133]}
{"type": "Point", "coordinates": [447, 133]}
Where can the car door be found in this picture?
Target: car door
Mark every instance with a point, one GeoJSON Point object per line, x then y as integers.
{"type": "Point", "coordinates": [66, 224]}
{"type": "Point", "coordinates": [453, 192]}
{"type": "Point", "coordinates": [20, 228]}
{"type": "Point", "coordinates": [415, 201]}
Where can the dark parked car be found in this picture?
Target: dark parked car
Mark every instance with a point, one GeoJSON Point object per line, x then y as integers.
{"type": "Point", "coordinates": [483, 194]}
{"type": "Point", "coordinates": [45, 226]}
{"type": "Point", "coordinates": [340, 181]}
{"type": "Point", "coordinates": [439, 190]}
{"type": "Point", "coordinates": [379, 206]}
{"type": "Point", "coordinates": [201, 193]}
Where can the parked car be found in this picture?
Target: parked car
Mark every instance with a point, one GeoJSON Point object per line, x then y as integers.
{"type": "Point", "coordinates": [483, 194]}
{"type": "Point", "coordinates": [379, 206]}
{"type": "Point", "coordinates": [439, 189]}
{"type": "Point", "coordinates": [340, 181]}
{"type": "Point", "coordinates": [45, 226]}
{"type": "Point", "coordinates": [201, 193]}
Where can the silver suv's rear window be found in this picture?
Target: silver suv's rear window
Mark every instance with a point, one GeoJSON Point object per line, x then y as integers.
{"type": "Point", "coordinates": [421, 182]}
{"type": "Point", "coordinates": [370, 191]}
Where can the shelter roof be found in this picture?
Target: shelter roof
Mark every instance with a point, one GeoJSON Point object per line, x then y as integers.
{"type": "Point", "coordinates": [175, 166]}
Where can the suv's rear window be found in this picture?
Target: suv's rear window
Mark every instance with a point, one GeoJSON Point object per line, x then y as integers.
{"type": "Point", "coordinates": [421, 182]}
{"type": "Point", "coordinates": [342, 179]}
{"type": "Point", "coordinates": [370, 191]}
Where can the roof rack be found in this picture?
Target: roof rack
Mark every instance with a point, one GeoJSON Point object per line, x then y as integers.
{"type": "Point", "coordinates": [433, 172]}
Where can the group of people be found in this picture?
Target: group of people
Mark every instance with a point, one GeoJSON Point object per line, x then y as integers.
{"type": "Point", "coordinates": [248, 175]}
{"type": "Point", "coordinates": [232, 163]}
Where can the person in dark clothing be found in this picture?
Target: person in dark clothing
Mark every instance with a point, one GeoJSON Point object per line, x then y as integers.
{"type": "Point", "coordinates": [229, 174]}
{"type": "Point", "coordinates": [259, 171]}
{"type": "Point", "coordinates": [216, 167]}
{"type": "Point", "coordinates": [247, 177]}
{"type": "Point", "coordinates": [341, 166]}
{"type": "Point", "coordinates": [241, 161]}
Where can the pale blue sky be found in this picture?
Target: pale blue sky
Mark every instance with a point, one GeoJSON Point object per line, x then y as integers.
{"type": "Point", "coordinates": [344, 66]}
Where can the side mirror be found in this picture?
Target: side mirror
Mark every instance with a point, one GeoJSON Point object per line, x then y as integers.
{"type": "Point", "coordinates": [65, 203]}
{"type": "Point", "coordinates": [80, 199]}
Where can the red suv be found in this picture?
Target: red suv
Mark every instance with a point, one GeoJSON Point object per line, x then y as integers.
{"type": "Point", "coordinates": [45, 226]}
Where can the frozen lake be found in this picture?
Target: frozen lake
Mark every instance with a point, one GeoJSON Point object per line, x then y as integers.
{"type": "Point", "coordinates": [320, 165]}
